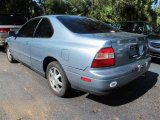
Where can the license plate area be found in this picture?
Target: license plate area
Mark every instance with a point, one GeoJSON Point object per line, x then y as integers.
{"type": "Point", "coordinates": [134, 51]}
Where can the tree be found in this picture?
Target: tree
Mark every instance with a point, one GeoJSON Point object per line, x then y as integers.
{"type": "Point", "coordinates": [81, 7]}
{"type": "Point", "coordinates": [105, 10]}
{"type": "Point", "coordinates": [25, 7]}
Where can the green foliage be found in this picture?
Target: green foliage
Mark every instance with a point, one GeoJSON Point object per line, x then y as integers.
{"type": "Point", "coordinates": [80, 7]}
{"type": "Point", "coordinates": [105, 10]}
{"type": "Point", "coordinates": [27, 7]}
{"type": "Point", "coordinates": [105, 14]}
{"type": "Point", "coordinates": [158, 15]}
{"type": "Point", "coordinates": [124, 10]}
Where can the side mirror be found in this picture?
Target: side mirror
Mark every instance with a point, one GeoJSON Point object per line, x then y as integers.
{"type": "Point", "coordinates": [12, 33]}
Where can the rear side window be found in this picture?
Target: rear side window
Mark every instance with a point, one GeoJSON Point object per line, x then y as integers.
{"type": "Point", "coordinates": [85, 25]}
{"type": "Point", "coordinates": [12, 20]}
{"type": "Point", "coordinates": [44, 29]}
{"type": "Point", "coordinates": [28, 29]}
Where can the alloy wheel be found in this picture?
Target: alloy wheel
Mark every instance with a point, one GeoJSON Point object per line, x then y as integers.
{"type": "Point", "coordinates": [9, 54]}
{"type": "Point", "coordinates": [55, 79]}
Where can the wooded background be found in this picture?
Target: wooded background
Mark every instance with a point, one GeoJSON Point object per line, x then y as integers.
{"type": "Point", "coordinates": [105, 10]}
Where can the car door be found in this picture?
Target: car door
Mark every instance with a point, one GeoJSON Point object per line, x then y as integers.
{"type": "Point", "coordinates": [20, 46]}
{"type": "Point", "coordinates": [40, 43]}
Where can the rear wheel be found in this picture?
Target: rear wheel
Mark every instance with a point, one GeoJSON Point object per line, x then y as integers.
{"type": "Point", "coordinates": [57, 79]}
{"type": "Point", "coordinates": [9, 55]}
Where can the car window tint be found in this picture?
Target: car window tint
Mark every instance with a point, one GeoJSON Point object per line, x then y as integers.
{"type": "Point", "coordinates": [127, 26]}
{"type": "Point", "coordinates": [28, 29]}
{"type": "Point", "coordinates": [44, 29]}
{"type": "Point", "coordinates": [139, 27]}
{"type": "Point", "coordinates": [157, 30]}
{"type": "Point", "coordinates": [148, 27]}
{"type": "Point", "coordinates": [85, 25]}
{"type": "Point", "coordinates": [116, 25]}
{"type": "Point", "coordinates": [12, 20]}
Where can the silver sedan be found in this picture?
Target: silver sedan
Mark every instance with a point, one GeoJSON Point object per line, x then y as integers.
{"type": "Point", "coordinates": [79, 52]}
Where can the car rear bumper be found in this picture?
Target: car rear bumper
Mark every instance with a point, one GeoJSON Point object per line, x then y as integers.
{"type": "Point", "coordinates": [3, 36]}
{"type": "Point", "coordinates": [104, 83]}
{"type": "Point", "coordinates": [2, 41]}
{"type": "Point", "coordinates": [154, 52]}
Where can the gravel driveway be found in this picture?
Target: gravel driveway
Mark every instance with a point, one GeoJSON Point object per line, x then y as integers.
{"type": "Point", "coordinates": [25, 95]}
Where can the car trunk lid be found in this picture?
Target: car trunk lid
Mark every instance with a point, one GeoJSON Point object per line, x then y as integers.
{"type": "Point", "coordinates": [128, 47]}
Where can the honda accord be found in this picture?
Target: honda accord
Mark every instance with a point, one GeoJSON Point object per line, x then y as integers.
{"type": "Point", "coordinates": [79, 52]}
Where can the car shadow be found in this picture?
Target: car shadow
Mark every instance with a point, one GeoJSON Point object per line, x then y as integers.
{"type": "Point", "coordinates": [156, 60]}
{"type": "Point", "coordinates": [128, 93]}
{"type": "Point", "coordinates": [76, 93]}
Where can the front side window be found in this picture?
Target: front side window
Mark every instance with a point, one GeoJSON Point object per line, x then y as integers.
{"type": "Point", "coordinates": [44, 29]}
{"type": "Point", "coordinates": [28, 29]}
{"type": "Point", "coordinates": [85, 25]}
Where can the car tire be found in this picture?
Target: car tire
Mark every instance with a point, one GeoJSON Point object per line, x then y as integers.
{"type": "Point", "coordinates": [9, 55]}
{"type": "Point", "coordinates": [57, 79]}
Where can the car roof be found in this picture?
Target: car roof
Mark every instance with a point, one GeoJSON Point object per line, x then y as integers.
{"type": "Point", "coordinates": [51, 16]}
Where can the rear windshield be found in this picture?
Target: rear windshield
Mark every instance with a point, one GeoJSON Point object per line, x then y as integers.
{"type": "Point", "coordinates": [12, 20]}
{"type": "Point", "coordinates": [84, 25]}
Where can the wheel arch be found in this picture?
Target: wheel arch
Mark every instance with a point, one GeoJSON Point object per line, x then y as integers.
{"type": "Point", "coordinates": [47, 60]}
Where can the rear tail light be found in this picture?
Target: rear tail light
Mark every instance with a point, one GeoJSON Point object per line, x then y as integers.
{"type": "Point", "coordinates": [4, 30]}
{"type": "Point", "coordinates": [104, 58]}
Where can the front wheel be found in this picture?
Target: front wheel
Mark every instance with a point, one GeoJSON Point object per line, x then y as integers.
{"type": "Point", "coordinates": [9, 55]}
{"type": "Point", "coordinates": [57, 79]}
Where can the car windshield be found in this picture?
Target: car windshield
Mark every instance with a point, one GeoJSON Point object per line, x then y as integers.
{"type": "Point", "coordinates": [85, 25]}
{"type": "Point", "coordinates": [12, 20]}
{"type": "Point", "coordinates": [124, 26]}
{"type": "Point", "coordinates": [149, 27]}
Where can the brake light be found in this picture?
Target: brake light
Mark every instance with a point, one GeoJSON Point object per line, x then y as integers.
{"type": "Point", "coordinates": [4, 30]}
{"type": "Point", "coordinates": [104, 58]}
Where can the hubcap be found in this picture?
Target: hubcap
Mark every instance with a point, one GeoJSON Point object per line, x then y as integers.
{"type": "Point", "coordinates": [55, 79]}
{"type": "Point", "coordinates": [9, 54]}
